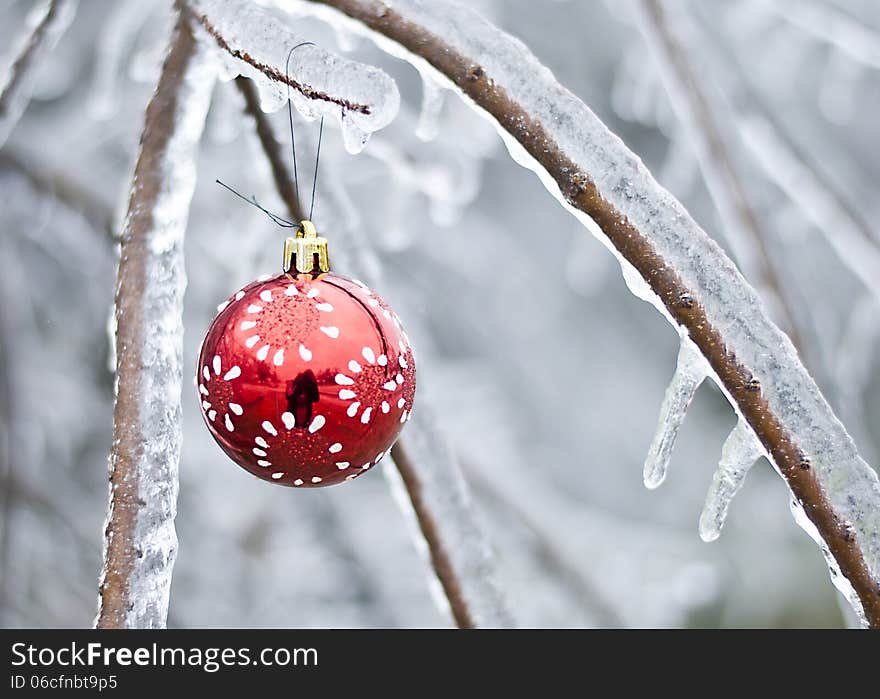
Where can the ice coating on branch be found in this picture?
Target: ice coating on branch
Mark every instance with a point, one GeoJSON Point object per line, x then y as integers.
{"type": "Point", "coordinates": [741, 449]}
{"type": "Point", "coordinates": [158, 419]}
{"type": "Point", "coordinates": [689, 374]}
{"type": "Point", "coordinates": [360, 97]}
{"type": "Point", "coordinates": [733, 308]}
{"type": "Point", "coordinates": [18, 82]}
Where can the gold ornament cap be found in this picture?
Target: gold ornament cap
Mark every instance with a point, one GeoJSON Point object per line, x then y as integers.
{"type": "Point", "coordinates": [307, 251]}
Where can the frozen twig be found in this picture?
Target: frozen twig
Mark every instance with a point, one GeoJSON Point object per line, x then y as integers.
{"type": "Point", "coordinates": [431, 476]}
{"type": "Point", "coordinates": [667, 259]}
{"type": "Point", "coordinates": [140, 541]}
{"type": "Point", "coordinates": [275, 73]}
{"type": "Point", "coordinates": [17, 90]}
{"type": "Point", "coordinates": [691, 101]}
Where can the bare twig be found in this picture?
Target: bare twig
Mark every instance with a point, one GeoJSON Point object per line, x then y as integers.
{"type": "Point", "coordinates": [16, 92]}
{"type": "Point", "coordinates": [684, 296]}
{"type": "Point", "coordinates": [466, 598]}
{"type": "Point", "coordinates": [697, 114]}
{"type": "Point", "coordinates": [280, 173]}
{"type": "Point", "coordinates": [140, 541]}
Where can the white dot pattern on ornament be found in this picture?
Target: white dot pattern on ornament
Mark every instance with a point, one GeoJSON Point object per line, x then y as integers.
{"type": "Point", "coordinates": [205, 389]}
{"type": "Point", "coordinates": [287, 418]}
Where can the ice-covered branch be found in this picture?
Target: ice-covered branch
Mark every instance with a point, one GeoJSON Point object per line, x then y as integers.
{"type": "Point", "coordinates": [693, 105]}
{"type": "Point", "coordinates": [18, 84]}
{"type": "Point", "coordinates": [667, 259]}
{"type": "Point", "coordinates": [140, 540]}
{"type": "Point", "coordinates": [434, 490]}
{"type": "Point", "coordinates": [254, 44]}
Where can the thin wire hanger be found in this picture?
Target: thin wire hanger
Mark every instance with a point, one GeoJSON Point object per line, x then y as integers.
{"type": "Point", "coordinates": [252, 200]}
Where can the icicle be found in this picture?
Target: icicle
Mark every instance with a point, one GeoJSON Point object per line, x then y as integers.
{"type": "Point", "coordinates": [689, 374]}
{"type": "Point", "coordinates": [354, 138]}
{"type": "Point", "coordinates": [432, 105]}
{"type": "Point", "coordinates": [741, 449]}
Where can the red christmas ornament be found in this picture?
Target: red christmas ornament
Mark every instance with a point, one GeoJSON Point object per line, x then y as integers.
{"type": "Point", "coordinates": [306, 379]}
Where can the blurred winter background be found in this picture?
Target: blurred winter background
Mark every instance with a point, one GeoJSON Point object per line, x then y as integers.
{"type": "Point", "coordinates": [547, 380]}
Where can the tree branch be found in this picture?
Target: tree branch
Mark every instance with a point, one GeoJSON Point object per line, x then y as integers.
{"type": "Point", "coordinates": [274, 73]}
{"type": "Point", "coordinates": [473, 599]}
{"type": "Point", "coordinates": [140, 540]}
{"type": "Point", "coordinates": [694, 284]}
{"type": "Point", "coordinates": [16, 93]}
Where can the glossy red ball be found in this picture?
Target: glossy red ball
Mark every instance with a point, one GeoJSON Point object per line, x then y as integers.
{"type": "Point", "coordinates": [306, 381]}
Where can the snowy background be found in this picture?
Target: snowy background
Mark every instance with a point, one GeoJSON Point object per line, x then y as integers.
{"type": "Point", "coordinates": [547, 383]}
